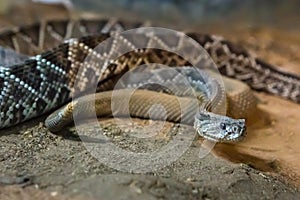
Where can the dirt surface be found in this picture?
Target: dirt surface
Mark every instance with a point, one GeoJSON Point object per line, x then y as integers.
{"type": "Point", "coordinates": [37, 163]}
{"type": "Point", "coordinates": [35, 158]}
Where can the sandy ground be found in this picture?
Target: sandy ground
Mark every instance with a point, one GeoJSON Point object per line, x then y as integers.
{"type": "Point", "coordinates": [35, 162]}
{"type": "Point", "coordinates": [34, 158]}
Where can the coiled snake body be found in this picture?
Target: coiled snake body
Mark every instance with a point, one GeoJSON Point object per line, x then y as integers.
{"type": "Point", "coordinates": [31, 86]}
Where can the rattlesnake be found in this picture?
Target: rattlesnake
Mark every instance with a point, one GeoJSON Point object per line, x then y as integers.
{"type": "Point", "coordinates": [36, 85]}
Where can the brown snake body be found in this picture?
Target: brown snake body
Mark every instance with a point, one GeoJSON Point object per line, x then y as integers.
{"type": "Point", "coordinates": [32, 86]}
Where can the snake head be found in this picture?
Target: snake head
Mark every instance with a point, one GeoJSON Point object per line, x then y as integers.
{"type": "Point", "coordinates": [219, 128]}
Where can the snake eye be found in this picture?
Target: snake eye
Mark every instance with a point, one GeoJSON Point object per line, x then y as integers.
{"type": "Point", "coordinates": [223, 126]}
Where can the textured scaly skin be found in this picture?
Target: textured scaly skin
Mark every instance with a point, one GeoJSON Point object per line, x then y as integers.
{"type": "Point", "coordinates": [46, 81]}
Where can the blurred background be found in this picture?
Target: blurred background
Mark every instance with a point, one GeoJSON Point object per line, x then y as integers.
{"type": "Point", "coordinates": [275, 13]}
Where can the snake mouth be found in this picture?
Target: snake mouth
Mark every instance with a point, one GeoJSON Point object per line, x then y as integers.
{"type": "Point", "coordinates": [224, 140]}
{"type": "Point", "coordinates": [216, 139]}
{"type": "Point", "coordinates": [208, 137]}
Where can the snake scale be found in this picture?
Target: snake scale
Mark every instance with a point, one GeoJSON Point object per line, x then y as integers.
{"type": "Point", "coordinates": [40, 64]}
